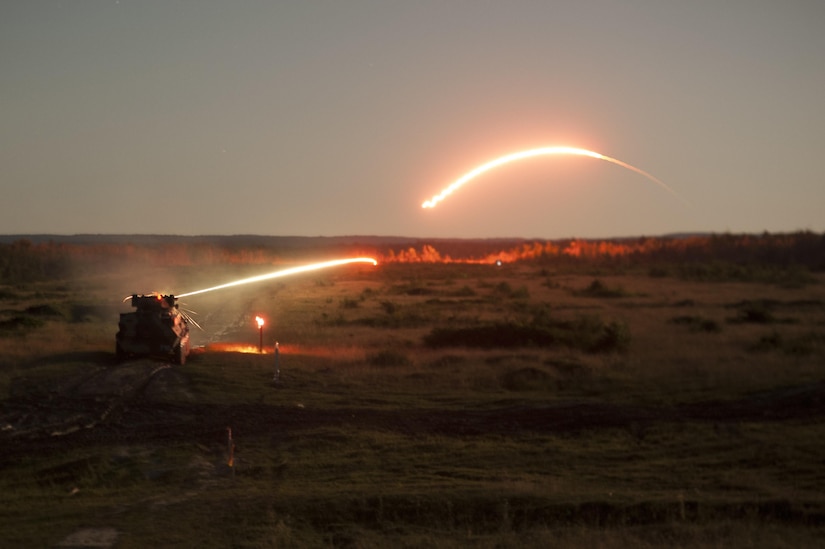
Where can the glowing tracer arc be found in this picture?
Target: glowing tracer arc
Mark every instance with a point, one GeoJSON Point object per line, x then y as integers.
{"type": "Point", "coordinates": [475, 172]}
{"type": "Point", "coordinates": [285, 272]}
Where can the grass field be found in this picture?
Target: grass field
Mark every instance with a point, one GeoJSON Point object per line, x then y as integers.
{"type": "Point", "coordinates": [437, 405]}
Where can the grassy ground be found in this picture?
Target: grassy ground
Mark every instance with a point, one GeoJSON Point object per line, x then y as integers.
{"type": "Point", "coordinates": [699, 424]}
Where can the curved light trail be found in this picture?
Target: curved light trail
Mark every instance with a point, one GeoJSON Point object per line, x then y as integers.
{"type": "Point", "coordinates": [475, 172]}
{"type": "Point", "coordinates": [284, 272]}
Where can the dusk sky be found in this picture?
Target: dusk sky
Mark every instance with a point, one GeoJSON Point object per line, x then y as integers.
{"type": "Point", "coordinates": [336, 118]}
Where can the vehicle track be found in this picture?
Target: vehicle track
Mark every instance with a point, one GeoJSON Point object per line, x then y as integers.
{"type": "Point", "coordinates": [83, 404]}
{"type": "Point", "coordinates": [133, 418]}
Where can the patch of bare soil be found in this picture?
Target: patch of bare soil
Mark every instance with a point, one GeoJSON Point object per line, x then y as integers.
{"type": "Point", "coordinates": [90, 538]}
{"type": "Point", "coordinates": [84, 402]}
{"type": "Point", "coordinates": [145, 401]}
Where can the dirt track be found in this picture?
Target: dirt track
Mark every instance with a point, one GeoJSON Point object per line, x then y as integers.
{"type": "Point", "coordinates": [130, 403]}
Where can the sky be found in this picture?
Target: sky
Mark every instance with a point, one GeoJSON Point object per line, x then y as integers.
{"type": "Point", "coordinates": [333, 118]}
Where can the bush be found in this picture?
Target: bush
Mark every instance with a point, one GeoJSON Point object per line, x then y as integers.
{"type": "Point", "coordinates": [786, 276]}
{"type": "Point", "coordinates": [697, 323]}
{"type": "Point", "coordinates": [598, 289]}
{"type": "Point", "coordinates": [445, 361]}
{"type": "Point", "coordinates": [587, 334]}
{"type": "Point", "coordinates": [395, 317]}
{"type": "Point", "coordinates": [413, 289]}
{"type": "Point", "coordinates": [504, 290]}
{"type": "Point", "coordinates": [755, 315]}
{"type": "Point", "coordinates": [527, 379]}
{"type": "Point", "coordinates": [490, 336]}
{"type": "Point", "coordinates": [7, 294]}
{"type": "Point", "coordinates": [802, 345]}
{"type": "Point", "coordinates": [389, 357]}
{"type": "Point", "coordinates": [614, 337]}
{"type": "Point", "coordinates": [770, 342]}
{"type": "Point", "coordinates": [43, 311]}
{"type": "Point", "coordinates": [464, 291]}
{"type": "Point", "coordinates": [755, 312]}
{"type": "Point", "coordinates": [20, 323]}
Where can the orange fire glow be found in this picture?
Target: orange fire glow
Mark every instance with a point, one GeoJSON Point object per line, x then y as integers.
{"type": "Point", "coordinates": [475, 172]}
{"type": "Point", "coordinates": [233, 348]}
{"type": "Point", "coordinates": [325, 351]}
{"type": "Point", "coordinates": [534, 250]}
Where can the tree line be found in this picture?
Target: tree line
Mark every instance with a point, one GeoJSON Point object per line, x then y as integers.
{"type": "Point", "coordinates": [24, 261]}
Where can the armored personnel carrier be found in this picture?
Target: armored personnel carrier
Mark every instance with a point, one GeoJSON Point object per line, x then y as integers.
{"type": "Point", "coordinates": [157, 327]}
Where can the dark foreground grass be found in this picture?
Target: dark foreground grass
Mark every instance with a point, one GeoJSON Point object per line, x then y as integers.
{"type": "Point", "coordinates": [351, 481]}
{"type": "Point", "coordinates": [337, 488]}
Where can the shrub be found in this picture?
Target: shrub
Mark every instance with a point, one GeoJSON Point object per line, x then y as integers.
{"type": "Point", "coordinates": [43, 311]}
{"type": "Point", "coordinates": [82, 312]}
{"type": "Point", "coordinates": [598, 289]}
{"type": "Point", "coordinates": [788, 276]}
{"type": "Point", "coordinates": [613, 337]}
{"type": "Point", "coordinates": [770, 342]}
{"type": "Point", "coordinates": [755, 315]}
{"type": "Point", "coordinates": [802, 345]}
{"type": "Point", "coordinates": [464, 291]}
{"type": "Point", "coordinates": [490, 336]}
{"type": "Point", "coordinates": [397, 319]}
{"type": "Point", "coordinates": [540, 315]}
{"type": "Point", "coordinates": [755, 312]}
{"type": "Point", "coordinates": [697, 323]}
{"type": "Point", "coordinates": [795, 276]}
{"type": "Point", "coordinates": [7, 294]}
{"type": "Point", "coordinates": [588, 334]}
{"type": "Point", "coordinates": [448, 360]}
{"type": "Point", "coordinates": [592, 335]}
{"type": "Point", "coordinates": [550, 283]}
{"type": "Point", "coordinates": [520, 293]}
{"type": "Point", "coordinates": [20, 323]}
{"type": "Point", "coordinates": [504, 290]}
{"type": "Point", "coordinates": [413, 289]}
{"type": "Point", "coordinates": [389, 357]}
{"type": "Point", "coordinates": [527, 379]}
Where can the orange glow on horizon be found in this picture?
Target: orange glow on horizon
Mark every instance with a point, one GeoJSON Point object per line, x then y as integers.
{"type": "Point", "coordinates": [521, 155]}
{"type": "Point", "coordinates": [529, 251]}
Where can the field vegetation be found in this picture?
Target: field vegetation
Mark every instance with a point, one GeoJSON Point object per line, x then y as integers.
{"type": "Point", "coordinates": [642, 398]}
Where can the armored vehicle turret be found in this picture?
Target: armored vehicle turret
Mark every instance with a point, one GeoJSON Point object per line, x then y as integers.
{"type": "Point", "coordinates": [157, 327]}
